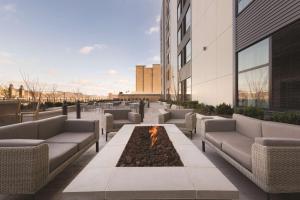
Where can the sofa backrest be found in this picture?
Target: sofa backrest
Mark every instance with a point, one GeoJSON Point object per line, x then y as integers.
{"type": "Point", "coordinates": [281, 130]}
{"type": "Point", "coordinates": [179, 113]}
{"type": "Point", "coordinates": [118, 114]}
{"type": "Point", "coordinates": [50, 127]}
{"type": "Point", "coordinates": [248, 126]}
{"type": "Point", "coordinates": [26, 130]}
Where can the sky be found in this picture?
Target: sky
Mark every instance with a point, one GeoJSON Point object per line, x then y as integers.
{"type": "Point", "coordinates": [86, 45]}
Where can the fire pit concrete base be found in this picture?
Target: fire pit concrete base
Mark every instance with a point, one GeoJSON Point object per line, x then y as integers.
{"type": "Point", "coordinates": [197, 179]}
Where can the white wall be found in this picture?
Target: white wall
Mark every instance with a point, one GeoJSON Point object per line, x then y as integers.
{"type": "Point", "coordinates": [212, 70]}
{"type": "Point", "coordinates": [173, 45]}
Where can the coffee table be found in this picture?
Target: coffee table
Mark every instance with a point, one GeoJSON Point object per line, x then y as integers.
{"type": "Point", "coordinates": [197, 179]}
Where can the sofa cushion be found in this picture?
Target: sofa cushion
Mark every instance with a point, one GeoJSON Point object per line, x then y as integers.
{"type": "Point", "coordinates": [60, 152]}
{"type": "Point", "coordinates": [247, 126]}
{"type": "Point", "coordinates": [81, 139]}
{"type": "Point", "coordinates": [20, 142]}
{"type": "Point", "coordinates": [217, 138]}
{"type": "Point", "coordinates": [180, 123]}
{"type": "Point", "coordinates": [50, 127]}
{"type": "Point", "coordinates": [26, 130]}
{"type": "Point", "coordinates": [281, 130]}
{"type": "Point", "coordinates": [119, 123]}
{"type": "Point", "coordinates": [239, 149]}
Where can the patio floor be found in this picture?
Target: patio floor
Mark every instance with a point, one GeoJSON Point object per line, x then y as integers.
{"type": "Point", "coordinates": [248, 190]}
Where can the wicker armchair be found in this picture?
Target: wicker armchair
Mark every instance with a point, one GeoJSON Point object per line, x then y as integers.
{"type": "Point", "coordinates": [113, 120]}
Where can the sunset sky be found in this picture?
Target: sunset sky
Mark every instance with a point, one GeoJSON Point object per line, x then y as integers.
{"type": "Point", "coordinates": [89, 45]}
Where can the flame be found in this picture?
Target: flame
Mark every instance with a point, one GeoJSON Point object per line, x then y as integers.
{"type": "Point", "coordinates": [153, 131]}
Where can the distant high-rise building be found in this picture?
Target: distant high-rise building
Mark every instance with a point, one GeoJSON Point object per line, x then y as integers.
{"type": "Point", "coordinates": [148, 79]}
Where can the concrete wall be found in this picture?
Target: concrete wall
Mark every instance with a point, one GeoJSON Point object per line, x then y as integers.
{"type": "Point", "coordinates": [156, 82]}
{"type": "Point", "coordinates": [212, 69]}
{"type": "Point", "coordinates": [139, 78]}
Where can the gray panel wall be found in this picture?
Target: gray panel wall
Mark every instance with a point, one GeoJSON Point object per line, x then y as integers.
{"type": "Point", "coordinates": [263, 17]}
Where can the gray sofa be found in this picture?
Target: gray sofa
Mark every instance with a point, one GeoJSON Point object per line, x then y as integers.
{"type": "Point", "coordinates": [113, 120]}
{"type": "Point", "coordinates": [268, 153]}
{"type": "Point", "coordinates": [33, 153]}
{"type": "Point", "coordinates": [184, 119]}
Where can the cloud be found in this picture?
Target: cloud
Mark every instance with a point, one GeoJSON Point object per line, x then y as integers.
{"type": "Point", "coordinates": [153, 29]}
{"type": "Point", "coordinates": [157, 19]}
{"type": "Point", "coordinates": [86, 50]}
{"type": "Point", "coordinates": [9, 8]}
{"type": "Point", "coordinates": [153, 60]}
{"type": "Point", "coordinates": [6, 59]}
{"type": "Point", "coordinates": [112, 72]}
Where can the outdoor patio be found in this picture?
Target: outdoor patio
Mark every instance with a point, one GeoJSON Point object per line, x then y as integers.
{"type": "Point", "coordinates": [247, 189]}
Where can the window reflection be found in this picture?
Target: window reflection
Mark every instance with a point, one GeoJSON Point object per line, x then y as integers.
{"type": "Point", "coordinates": [243, 4]}
{"type": "Point", "coordinates": [253, 88]}
{"type": "Point", "coordinates": [253, 56]}
{"type": "Point", "coordinates": [188, 19]}
{"type": "Point", "coordinates": [188, 52]}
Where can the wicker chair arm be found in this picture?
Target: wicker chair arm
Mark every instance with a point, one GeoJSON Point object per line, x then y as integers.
{"type": "Point", "coordinates": [108, 122]}
{"type": "Point", "coordinates": [23, 170]}
{"type": "Point", "coordinates": [276, 169]}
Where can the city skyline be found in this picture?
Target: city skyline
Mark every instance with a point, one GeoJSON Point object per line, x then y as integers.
{"type": "Point", "coordinates": [72, 45]}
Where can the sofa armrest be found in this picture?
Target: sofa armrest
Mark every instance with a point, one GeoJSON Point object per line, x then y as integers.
{"type": "Point", "coordinates": [190, 121]}
{"type": "Point", "coordinates": [108, 122]}
{"type": "Point", "coordinates": [23, 170]}
{"type": "Point", "coordinates": [280, 142]}
{"type": "Point", "coordinates": [134, 117]}
{"type": "Point", "coordinates": [20, 142]}
{"type": "Point", "coordinates": [276, 169]}
{"type": "Point", "coordinates": [218, 125]}
{"type": "Point", "coordinates": [164, 117]}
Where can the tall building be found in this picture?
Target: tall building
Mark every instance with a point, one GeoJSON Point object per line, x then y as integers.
{"type": "Point", "coordinates": [197, 50]}
{"type": "Point", "coordinates": [267, 71]}
{"type": "Point", "coordinates": [148, 79]}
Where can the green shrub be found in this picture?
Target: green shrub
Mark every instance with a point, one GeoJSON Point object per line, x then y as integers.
{"type": "Point", "coordinates": [224, 109]}
{"type": "Point", "coordinates": [286, 117]}
{"type": "Point", "coordinates": [190, 104]}
{"type": "Point", "coordinates": [251, 111]}
{"type": "Point", "coordinates": [205, 109]}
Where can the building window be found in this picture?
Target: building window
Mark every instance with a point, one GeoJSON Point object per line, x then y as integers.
{"type": "Point", "coordinates": [286, 68]}
{"type": "Point", "coordinates": [186, 89]}
{"type": "Point", "coordinates": [253, 75]}
{"type": "Point", "coordinates": [242, 4]}
{"type": "Point", "coordinates": [188, 52]}
{"type": "Point", "coordinates": [179, 36]}
{"type": "Point", "coordinates": [179, 61]}
{"type": "Point", "coordinates": [179, 8]}
{"type": "Point", "coordinates": [188, 19]}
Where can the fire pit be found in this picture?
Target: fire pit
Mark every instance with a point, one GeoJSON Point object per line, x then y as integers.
{"type": "Point", "coordinates": [150, 162]}
{"type": "Point", "coordinates": [149, 146]}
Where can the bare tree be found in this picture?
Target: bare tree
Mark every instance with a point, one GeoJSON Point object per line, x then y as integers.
{"type": "Point", "coordinates": [34, 87]}
{"type": "Point", "coordinates": [4, 91]}
{"type": "Point", "coordinates": [52, 93]}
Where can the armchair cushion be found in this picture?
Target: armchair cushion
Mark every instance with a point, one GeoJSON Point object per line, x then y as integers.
{"type": "Point", "coordinates": [60, 152]}
{"type": "Point", "coordinates": [280, 142]}
{"type": "Point", "coordinates": [20, 142]}
{"type": "Point", "coordinates": [134, 117]}
{"type": "Point", "coordinates": [81, 139]}
{"type": "Point", "coordinates": [190, 121]}
{"type": "Point", "coordinates": [280, 130]}
{"type": "Point", "coordinates": [180, 123]}
{"type": "Point", "coordinates": [117, 124]}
